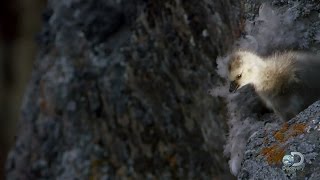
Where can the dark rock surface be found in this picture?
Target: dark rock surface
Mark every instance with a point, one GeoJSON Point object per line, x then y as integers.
{"type": "Point", "coordinates": [266, 148]}
{"type": "Point", "coordinates": [279, 25]}
{"type": "Point", "coordinates": [119, 91]}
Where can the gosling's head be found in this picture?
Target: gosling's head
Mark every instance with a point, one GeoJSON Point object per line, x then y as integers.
{"type": "Point", "coordinates": [243, 69]}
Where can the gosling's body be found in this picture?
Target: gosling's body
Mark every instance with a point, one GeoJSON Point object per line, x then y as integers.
{"type": "Point", "coordinates": [286, 82]}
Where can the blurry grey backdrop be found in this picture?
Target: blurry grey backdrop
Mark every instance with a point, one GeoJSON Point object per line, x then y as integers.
{"type": "Point", "coordinates": [20, 20]}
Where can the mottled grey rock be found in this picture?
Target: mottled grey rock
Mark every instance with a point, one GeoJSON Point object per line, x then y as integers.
{"type": "Point", "coordinates": [301, 134]}
{"type": "Point", "coordinates": [279, 25]}
{"type": "Point", "coordinates": [119, 90]}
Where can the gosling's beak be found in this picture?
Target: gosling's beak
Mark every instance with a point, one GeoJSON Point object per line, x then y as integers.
{"type": "Point", "coordinates": [233, 86]}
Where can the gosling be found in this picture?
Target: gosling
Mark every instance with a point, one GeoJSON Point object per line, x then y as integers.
{"type": "Point", "coordinates": [286, 82]}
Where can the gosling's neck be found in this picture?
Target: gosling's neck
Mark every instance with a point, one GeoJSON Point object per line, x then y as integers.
{"type": "Point", "coordinates": [258, 67]}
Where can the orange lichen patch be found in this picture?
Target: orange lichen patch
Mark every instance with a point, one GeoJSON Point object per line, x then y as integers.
{"type": "Point", "coordinates": [273, 154]}
{"type": "Point", "coordinates": [299, 128]}
{"type": "Point", "coordinates": [295, 130]}
{"type": "Point", "coordinates": [287, 132]}
{"type": "Point", "coordinates": [279, 136]}
{"type": "Point", "coordinates": [284, 128]}
{"type": "Point", "coordinates": [266, 150]}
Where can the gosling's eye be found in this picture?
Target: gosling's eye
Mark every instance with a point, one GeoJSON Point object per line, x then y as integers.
{"type": "Point", "coordinates": [238, 76]}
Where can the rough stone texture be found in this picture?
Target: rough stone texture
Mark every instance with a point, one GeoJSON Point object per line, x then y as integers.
{"type": "Point", "coordinates": [265, 149]}
{"type": "Point", "coordinates": [282, 24]}
{"type": "Point", "coordinates": [119, 91]}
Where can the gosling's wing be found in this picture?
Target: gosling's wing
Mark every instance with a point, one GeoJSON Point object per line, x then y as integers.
{"type": "Point", "coordinates": [308, 70]}
{"type": "Point", "coordinates": [308, 73]}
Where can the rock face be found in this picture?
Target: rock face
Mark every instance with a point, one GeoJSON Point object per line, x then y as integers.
{"type": "Point", "coordinates": [119, 90]}
{"type": "Point", "coordinates": [266, 148]}
{"type": "Point", "coordinates": [279, 25]}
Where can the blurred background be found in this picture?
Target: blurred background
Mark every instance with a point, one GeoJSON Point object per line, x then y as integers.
{"type": "Point", "coordinates": [20, 21]}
